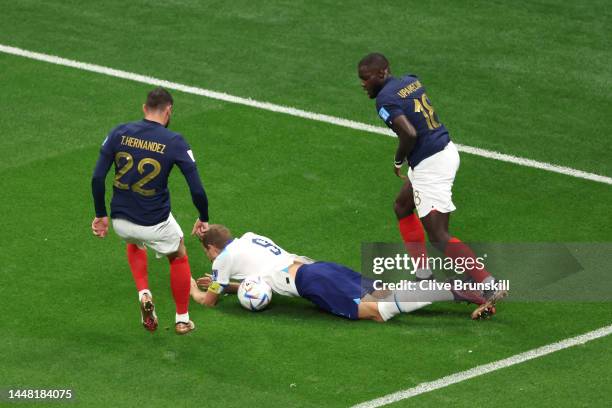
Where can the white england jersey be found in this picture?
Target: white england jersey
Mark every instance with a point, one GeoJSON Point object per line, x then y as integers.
{"type": "Point", "coordinates": [255, 255]}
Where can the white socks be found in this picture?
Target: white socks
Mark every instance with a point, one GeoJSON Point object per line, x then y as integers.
{"type": "Point", "coordinates": [488, 279]}
{"type": "Point", "coordinates": [182, 318]}
{"type": "Point", "coordinates": [407, 307]}
{"type": "Point", "coordinates": [390, 306]}
{"type": "Point", "coordinates": [423, 273]}
{"type": "Point", "coordinates": [387, 309]}
{"type": "Point", "coordinates": [421, 295]}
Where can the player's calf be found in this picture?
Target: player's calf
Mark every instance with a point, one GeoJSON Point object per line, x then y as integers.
{"type": "Point", "coordinates": [180, 283]}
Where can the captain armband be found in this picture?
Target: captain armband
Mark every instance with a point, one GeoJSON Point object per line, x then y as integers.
{"type": "Point", "coordinates": [216, 287]}
{"type": "Point", "coordinates": [398, 163]}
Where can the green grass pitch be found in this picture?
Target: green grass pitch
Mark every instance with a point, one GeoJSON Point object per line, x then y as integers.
{"type": "Point", "coordinates": [527, 78]}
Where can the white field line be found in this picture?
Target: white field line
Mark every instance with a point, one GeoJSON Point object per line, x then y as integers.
{"type": "Point", "coordinates": [486, 368]}
{"type": "Point", "coordinates": [291, 111]}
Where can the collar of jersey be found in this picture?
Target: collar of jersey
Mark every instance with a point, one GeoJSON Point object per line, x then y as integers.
{"type": "Point", "coordinates": [152, 122]}
{"type": "Point", "coordinates": [387, 81]}
{"type": "Point", "coordinates": [225, 249]}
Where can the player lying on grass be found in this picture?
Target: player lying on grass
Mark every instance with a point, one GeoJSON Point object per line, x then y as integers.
{"type": "Point", "coordinates": [334, 288]}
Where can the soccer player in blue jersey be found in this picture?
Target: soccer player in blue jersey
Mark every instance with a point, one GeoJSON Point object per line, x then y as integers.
{"type": "Point", "coordinates": [433, 160]}
{"type": "Point", "coordinates": [144, 153]}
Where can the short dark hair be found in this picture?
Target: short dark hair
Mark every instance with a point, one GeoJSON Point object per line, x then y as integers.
{"type": "Point", "coordinates": [158, 99]}
{"type": "Point", "coordinates": [374, 60]}
{"type": "Point", "coordinates": [217, 235]}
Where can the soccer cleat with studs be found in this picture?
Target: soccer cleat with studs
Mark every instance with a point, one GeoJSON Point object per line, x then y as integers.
{"type": "Point", "coordinates": [147, 313]}
{"type": "Point", "coordinates": [487, 309]}
{"type": "Point", "coordinates": [184, 328]}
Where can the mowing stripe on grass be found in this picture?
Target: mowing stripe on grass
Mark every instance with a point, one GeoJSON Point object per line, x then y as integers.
{"type": "Point", "coordinates": [486, 368]}
{"type": "Point", "coordinates": [291, 111]}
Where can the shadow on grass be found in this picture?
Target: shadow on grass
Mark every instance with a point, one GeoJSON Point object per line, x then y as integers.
{"type": "Point", "coordinates": [302, 309]}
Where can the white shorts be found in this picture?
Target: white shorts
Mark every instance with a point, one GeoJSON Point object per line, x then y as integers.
{"type": "Point", "coordinates": [164, 238]}
{"type": "Point", "coordinates": [432, 181]}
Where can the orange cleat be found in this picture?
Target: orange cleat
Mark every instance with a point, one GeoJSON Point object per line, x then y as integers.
{"type": "Point", "coordinates": [487, 309]}
{"type": "Point", "coordinates": [184, 328]}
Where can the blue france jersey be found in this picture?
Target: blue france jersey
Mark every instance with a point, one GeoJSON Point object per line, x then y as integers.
{"type": "Point", "coordinates": [144, 153]}
{"type": "Point", "coordinates": [406, 96]}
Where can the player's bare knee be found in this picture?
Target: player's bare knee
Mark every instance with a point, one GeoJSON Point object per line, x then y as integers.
{"type": "Point", "coordinates": [180, 252]}
{"type": "Point", "coordinates": [402, 209]}
{"type": "Point", "coordinates": [398, 209]}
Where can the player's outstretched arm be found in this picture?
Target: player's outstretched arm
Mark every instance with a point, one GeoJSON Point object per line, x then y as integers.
{"type": "Point", "coordinates": [196, 293]}
{"type": "Point", "coordinates": [407, 136]}
{"type": "Point", "coordinates": [205, 281]}
{"type": "Point", "coordinates": [99, 225]}
{"type": "Point", "coordinates": [185, 160]}
{"type": "Point", "coordinates": [208, 298]}
{"type": "Point", "coordinates": [200, 200]}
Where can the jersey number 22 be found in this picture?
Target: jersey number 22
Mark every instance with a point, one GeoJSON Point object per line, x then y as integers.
{"type": "Point", "coordinates": [128, 163]}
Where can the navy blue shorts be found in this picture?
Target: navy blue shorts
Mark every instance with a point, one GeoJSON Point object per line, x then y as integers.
{"type": "Point", "coordinates": [334, 288]}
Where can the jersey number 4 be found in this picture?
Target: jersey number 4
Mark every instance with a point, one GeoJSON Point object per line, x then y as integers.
{"type": "Point", "coordinates": [427, 110]}
{"type": "Point", "coordinates": [125, 162]}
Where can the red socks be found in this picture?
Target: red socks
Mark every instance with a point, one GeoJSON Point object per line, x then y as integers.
{"type": "Point", "coordinates": [180, 282]}
{"type": "Point", "coordinates": [137, 258]}
{"type": "Point", "coordinates": [457, 249]}
{"type": "Point", "coordinates": [180, 276]}
{"type": "Point", "coordinates": [413, 235]}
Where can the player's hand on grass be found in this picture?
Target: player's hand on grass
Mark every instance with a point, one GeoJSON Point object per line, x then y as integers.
{"type": "Point", "coordinates": [99, 226]}
{"type": "Point", "coordinates": [204, 281]}
{"type": "Point", "coordinates": [199, 228]}
{"type": "Point", "coordinates": [398, 173]}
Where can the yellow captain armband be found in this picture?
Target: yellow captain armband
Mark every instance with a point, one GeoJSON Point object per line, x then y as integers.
{"type": "Point", "coordinates": [216, 287]}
